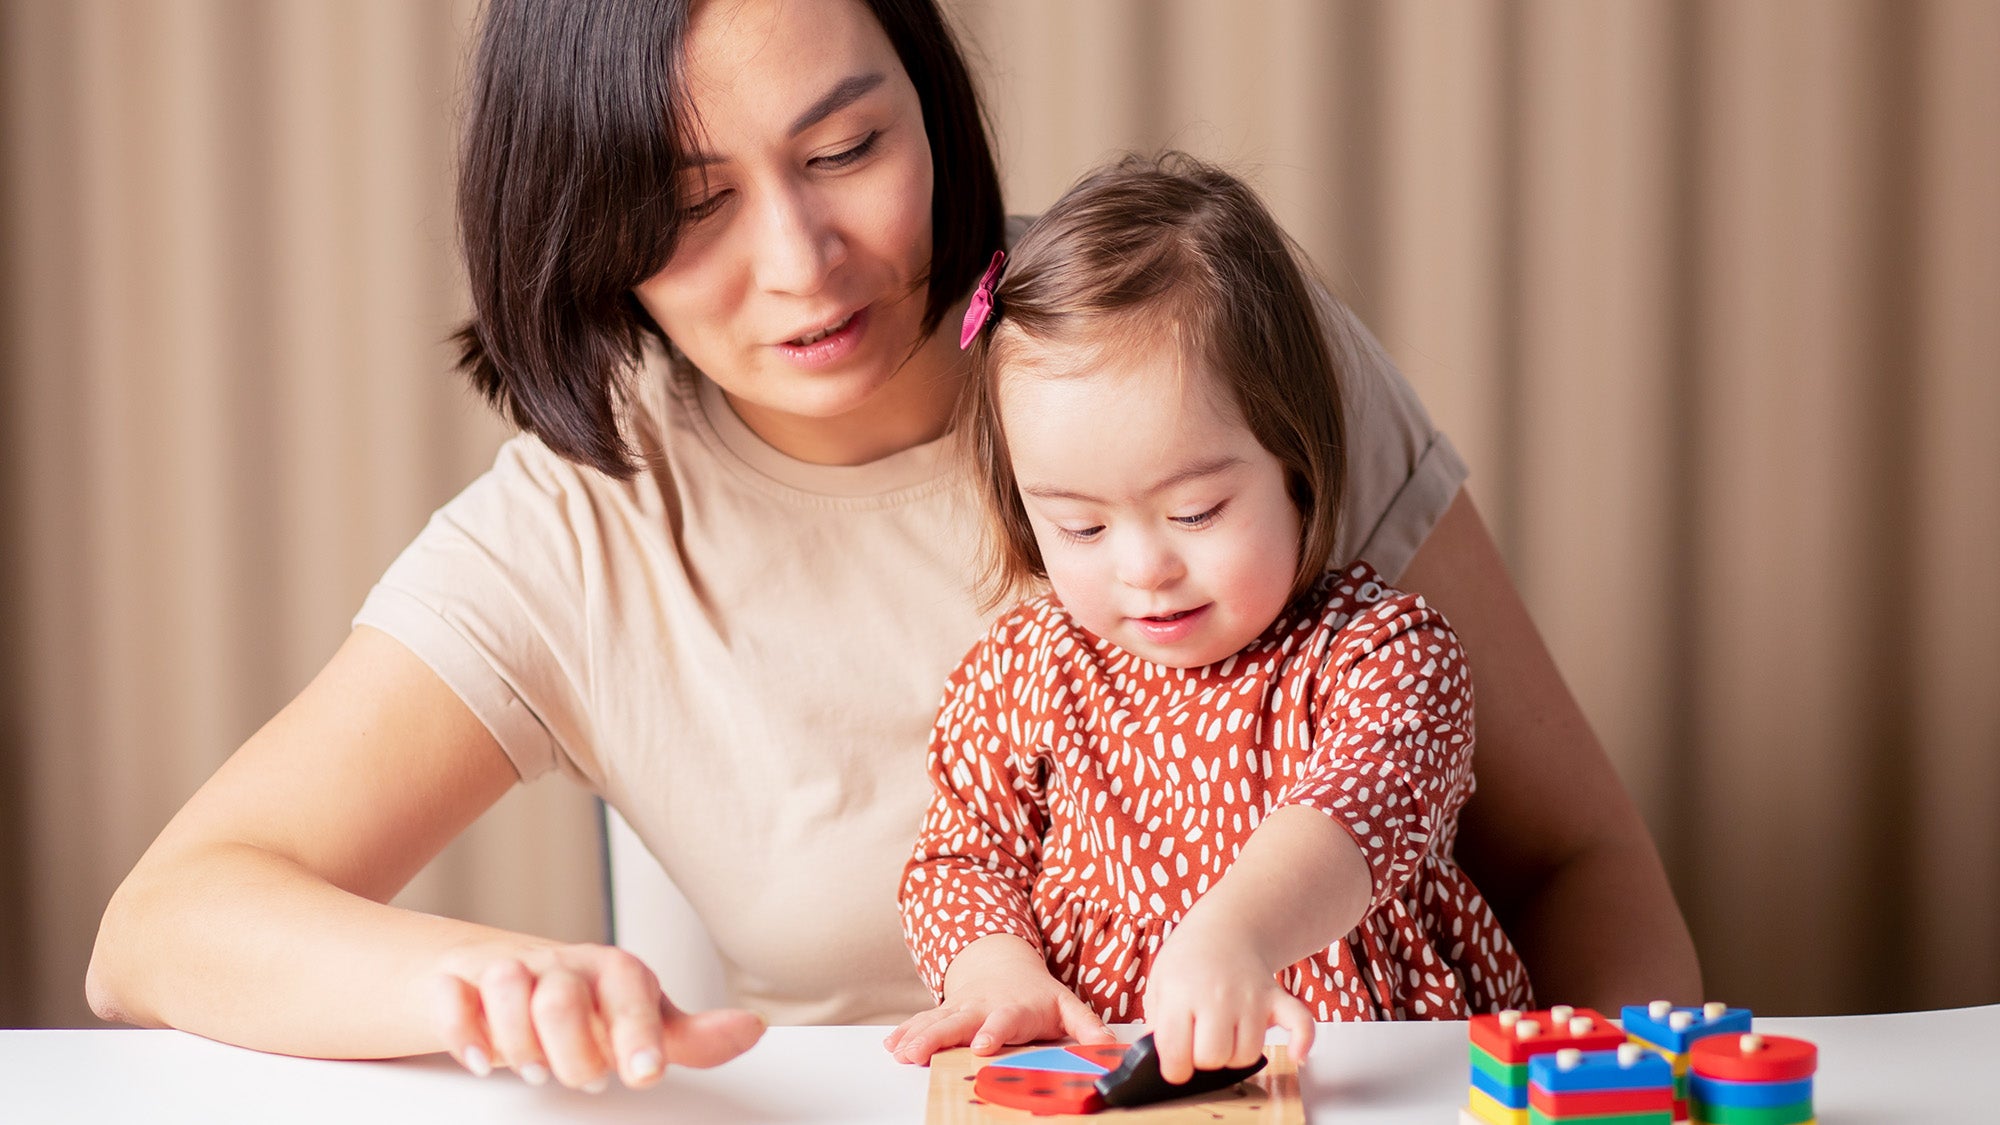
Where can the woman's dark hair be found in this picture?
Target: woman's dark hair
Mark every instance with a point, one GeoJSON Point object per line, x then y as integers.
{"type": "Point", "coordinates": [1166, 247]}
{"type": "Point", "coordinates": [568, 197]}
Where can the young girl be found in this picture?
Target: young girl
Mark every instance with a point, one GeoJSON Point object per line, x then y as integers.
{"type": "Point", "coordinates": [1203, 782]}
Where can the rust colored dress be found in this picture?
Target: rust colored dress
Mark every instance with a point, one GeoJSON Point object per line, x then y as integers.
{"type": "Point", "coordinates": [1084, 798]}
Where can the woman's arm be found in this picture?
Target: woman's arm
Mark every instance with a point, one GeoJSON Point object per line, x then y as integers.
{"type": "Point", "coordinates": [1551, 838]}
{"type": "Point", "coordinates": [259, 916]}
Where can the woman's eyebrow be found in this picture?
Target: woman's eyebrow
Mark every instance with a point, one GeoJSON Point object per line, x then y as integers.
{"type": "Point", "coordinates": [844, 93]}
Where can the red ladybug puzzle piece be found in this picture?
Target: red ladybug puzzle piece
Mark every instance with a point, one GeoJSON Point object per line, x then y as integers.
{"type": "Point", "coordinates": [1040, 1092]}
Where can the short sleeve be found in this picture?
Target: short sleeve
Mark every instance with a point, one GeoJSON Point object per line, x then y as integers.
{"type": "Point", "coordinates": [489, 597]}
{"type": "Point", "coordinates": [1392, 744]}
{"type": "Point", "coordinates": [1402, 473]}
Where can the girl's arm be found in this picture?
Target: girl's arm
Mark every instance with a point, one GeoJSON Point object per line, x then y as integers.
{"type": "Point", "coordinates": [259, 915]}
{"type": "Point", "coordinates": [965, 894]}
{"type": "Point", "coordinates": [1391, 759]}
{"type": "Point", "coordinates": [1550, 837]}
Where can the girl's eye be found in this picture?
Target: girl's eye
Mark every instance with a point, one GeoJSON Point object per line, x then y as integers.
{"type": "Point", "coordinates": [1200, 519]}
{"type": "Point", "coordinates": [1081, 535]}
{"type": "Point", "coordinates": [852, 155]}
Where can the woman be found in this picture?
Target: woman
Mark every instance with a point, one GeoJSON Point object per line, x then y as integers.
{"type": "Point", "coordinates": [722, 579]}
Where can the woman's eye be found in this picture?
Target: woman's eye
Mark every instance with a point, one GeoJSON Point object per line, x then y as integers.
{"type": "Point", "coordinates": [849, 156]}
{"type": "Point", "coordinates": [1081, 535]}
{"type": "Point", "coordinates": [1199, 519]}
{"type": "Point", "coordinates": [696, 212]}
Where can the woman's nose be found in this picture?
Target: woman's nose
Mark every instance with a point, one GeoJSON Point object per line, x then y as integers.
{"type": "Point", "coordinates": [797, 248]}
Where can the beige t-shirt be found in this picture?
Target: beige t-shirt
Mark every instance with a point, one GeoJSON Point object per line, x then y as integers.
{"type": "Point", "coordinates": [743, 654]}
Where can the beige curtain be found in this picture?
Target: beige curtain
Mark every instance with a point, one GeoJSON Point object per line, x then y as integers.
{"type": "Point", "coordinates": [1708, 294]}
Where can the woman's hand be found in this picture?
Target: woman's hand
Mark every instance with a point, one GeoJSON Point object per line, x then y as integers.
{"type": "Point", "coordinates": [997, 992]}
{"type": "Point", "coordinates": [577, 1012]}
{"type": "Point", "coordinates": [1211, 997]}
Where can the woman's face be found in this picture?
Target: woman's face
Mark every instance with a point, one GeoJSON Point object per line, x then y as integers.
{"type": "Point", "coordinates": [799, 283]}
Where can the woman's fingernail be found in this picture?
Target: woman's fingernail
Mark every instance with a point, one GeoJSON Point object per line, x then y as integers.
{"type": "Point", "coordinates": [534, 1074]}
{"type": "Point", "coordinates": [477, 1062]}
{"type": "Point", "coordinates": [597, 1085]}
{"type": "Point", "coordinates": [645, 1064]}
{"type": "Point", "coordinates": [981, 1042]}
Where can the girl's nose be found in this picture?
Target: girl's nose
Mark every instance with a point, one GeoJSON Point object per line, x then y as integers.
{"type": "Point", "coordinates": [1146, 563]}
{"type": "Point", "coordinates": [797, 249]}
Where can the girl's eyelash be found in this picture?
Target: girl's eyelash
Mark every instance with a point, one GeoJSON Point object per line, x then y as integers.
{"type": "Point", "coordinates": [849, 156]}
{"type": "Point", "coordinates": [1201, 519]}
{"type": "Point", "coordinates": [1083, 536]}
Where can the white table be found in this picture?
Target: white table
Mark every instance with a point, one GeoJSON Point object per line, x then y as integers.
{"type": "Point", "coordinates": [1913, 1067]}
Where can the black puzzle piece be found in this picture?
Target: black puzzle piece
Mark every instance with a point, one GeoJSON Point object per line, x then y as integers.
{"type": "Point", "coordinates": [1137, 1080]}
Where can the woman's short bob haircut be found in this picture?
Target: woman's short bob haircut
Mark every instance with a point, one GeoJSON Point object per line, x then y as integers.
{"type": "Point", "coordinates": [568, 198]}
{"type": "Point", "coordinates": [1166, 247]}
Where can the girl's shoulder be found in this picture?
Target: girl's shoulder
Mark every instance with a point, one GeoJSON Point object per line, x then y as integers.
{"type": "Point", "coordinates": [1038, 624]}
{"type": "Point", "coordinates": [1357, 606]}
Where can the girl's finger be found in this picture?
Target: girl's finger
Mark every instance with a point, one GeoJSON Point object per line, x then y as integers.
{"type": "Point", "coordinates": [1297, 1020]}
{"type": "Point", "coordinates": [1082, 1024]}
{"type": "Point", "coordinates": [956, 1029]}
{"type": "Point", "coordinates": [628, 998]}
{"type": "Point", "coordinates": [915, 1026]}
{"type": "Point", "coordinates": [1249, 1042]}
{"type": "Point", "coordinates": [504, 990]}
{"type": "Point", "coordinates": [461, 1024]}
{"type": "Point", "coordinates": [563, 1008]}
{"type": "Point", "coordinates": [1010, 1023]}
{"type": "Point", "coordinates": [1173, 1041]}
{"type": "Point", "coordinates": [1214, 1041]}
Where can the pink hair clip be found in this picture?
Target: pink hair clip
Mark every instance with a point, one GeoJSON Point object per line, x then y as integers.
{"type": "Point", "coordinates": [981, 309]}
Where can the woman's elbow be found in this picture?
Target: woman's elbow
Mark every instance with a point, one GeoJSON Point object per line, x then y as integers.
{"type": "Point", "coordinates": [107, 982]}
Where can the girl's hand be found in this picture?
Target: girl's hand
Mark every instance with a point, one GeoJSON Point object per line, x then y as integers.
{"type": "Point", "coordinates": [997, 992]}
{"type": "Point", "coordinates": [577, 1012]}
{"type": "Point", "coordinates": [1211, 997]}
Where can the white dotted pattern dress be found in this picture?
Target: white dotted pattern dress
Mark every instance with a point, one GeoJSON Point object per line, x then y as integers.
{"type": "Point", "coordinates": [1085, 798]}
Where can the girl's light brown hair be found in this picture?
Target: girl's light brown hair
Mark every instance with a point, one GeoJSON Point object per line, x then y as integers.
{"type": "Point", "coordinates": [1167, 245]}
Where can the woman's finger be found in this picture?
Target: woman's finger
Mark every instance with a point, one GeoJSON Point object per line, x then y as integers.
{"type": "Point", "coordinates": [461, 1024]}
{"type": "Point", "coordinates": [504, 990]}
{"type": "Point", "coordinates": [564, 1010]}
{"type": "Point", "coordinates": [628, 998]}
{"type": "Point", "coordinates": [704, 1039]}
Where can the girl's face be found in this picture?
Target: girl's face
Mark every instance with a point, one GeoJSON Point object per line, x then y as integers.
{"type": "Point", "coordinates": [1166, 528]}
{"type": "Point", "coordinates": [799, 284]}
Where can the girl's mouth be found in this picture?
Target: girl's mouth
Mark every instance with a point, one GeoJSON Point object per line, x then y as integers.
{"type": "Point", "coordinates": [1171, 628]}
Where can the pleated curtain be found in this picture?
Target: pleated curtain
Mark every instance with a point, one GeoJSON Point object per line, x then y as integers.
{"type": "Point", "coordinates": [1708, 294]}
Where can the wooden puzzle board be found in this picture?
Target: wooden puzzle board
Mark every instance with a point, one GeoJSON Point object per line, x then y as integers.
{"type": "Point", "coordinates": [1269, 1097]}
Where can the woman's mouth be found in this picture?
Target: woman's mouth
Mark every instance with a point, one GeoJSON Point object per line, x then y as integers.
{"type": "Point", "coordinates": [816, 337]}
{"type": "Point", "coordinates": [828, 344]}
